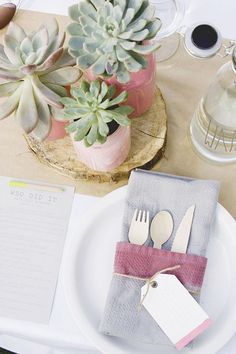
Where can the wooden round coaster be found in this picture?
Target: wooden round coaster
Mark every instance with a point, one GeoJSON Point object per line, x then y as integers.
{"type": "Point", "coordinates": [148, 134]}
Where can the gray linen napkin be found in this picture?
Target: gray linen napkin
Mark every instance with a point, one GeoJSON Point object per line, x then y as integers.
{"type": "Point", "coordinates": [155, 192]}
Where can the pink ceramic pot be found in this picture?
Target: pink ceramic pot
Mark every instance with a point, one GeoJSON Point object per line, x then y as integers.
{"type": "Point", "coordinates": [107, 156]}
{"type": "Point", "coordinates": [141, 87]}
{"type": "Point", "coordinates": [58, 128]}
{"type": "Point", "coordinates": [57, 131]}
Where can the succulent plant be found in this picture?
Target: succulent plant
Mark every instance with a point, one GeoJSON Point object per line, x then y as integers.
{"type": "Point", "coordinates": [111, 36]}
{"type": "Point", "coordinates": [91, 108]}
{"type": "Point", "coordinates": [34, 70]}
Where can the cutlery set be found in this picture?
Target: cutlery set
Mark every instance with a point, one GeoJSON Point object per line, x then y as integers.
{"type": "Point", "coordinates": [161, 229]}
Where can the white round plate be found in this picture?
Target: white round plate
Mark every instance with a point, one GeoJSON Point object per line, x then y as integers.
{"type": "Point", "coordinates": [87, 272]}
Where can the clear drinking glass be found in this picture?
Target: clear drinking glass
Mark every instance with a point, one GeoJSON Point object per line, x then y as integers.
{"type": "Point", "coordinates": [213, 126]}
{"type": "Point", "coordinates": [171, 14]}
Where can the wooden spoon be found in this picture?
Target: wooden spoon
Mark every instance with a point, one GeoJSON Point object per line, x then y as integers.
{"type": "Point", "coordinates": [161, 228]}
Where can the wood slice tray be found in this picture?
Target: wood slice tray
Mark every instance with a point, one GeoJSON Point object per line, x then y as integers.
{"type": "Point", "coordinates": [148, 134]}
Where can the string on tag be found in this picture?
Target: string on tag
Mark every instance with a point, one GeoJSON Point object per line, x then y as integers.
{"type": "Point", "coordinates": [149, 281]}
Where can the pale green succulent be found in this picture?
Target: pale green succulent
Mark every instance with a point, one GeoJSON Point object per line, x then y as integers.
{"type": "Point", "coordinates": [34, 70]}
{"type": "Point", "coordinates": [110, 37]}
{"type": "Point", "coordinates": [91, 109]}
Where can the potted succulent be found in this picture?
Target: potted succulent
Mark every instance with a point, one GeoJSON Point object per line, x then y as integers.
{"type": "Point", "coordinates": [99, 126]}
{"type": "Point", "coordinates": [35, 70]}
{"type": "Point", "coordinates": [112, 40]}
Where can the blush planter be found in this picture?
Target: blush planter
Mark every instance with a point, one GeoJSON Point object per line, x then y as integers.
{"type": "Point", "coordinates": [57, 131]}
{"type": "Point", "coordinates": [58, 127]}
{"type": "Point", "coordinates": [107, 156]}
{"type": "Point", "coordinates": [140, 88]}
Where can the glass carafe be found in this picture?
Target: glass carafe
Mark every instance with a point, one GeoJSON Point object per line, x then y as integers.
{"type": "Point", "coordinates": [213, 126]}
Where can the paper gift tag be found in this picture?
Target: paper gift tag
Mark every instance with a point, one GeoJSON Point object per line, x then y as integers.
{"type": "Point", "coordinates": [177, 313]}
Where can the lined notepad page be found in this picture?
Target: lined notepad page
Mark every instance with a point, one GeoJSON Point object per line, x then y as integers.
{"type": "Point", "coordinates": [33, 223]}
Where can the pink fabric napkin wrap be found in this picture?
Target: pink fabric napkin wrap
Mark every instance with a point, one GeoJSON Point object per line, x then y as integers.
{"type": "Point", "coordinates": [144, 262]}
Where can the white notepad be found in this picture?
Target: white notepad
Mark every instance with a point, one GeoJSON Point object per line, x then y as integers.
{"type": "Point", "coordinates": [34, 218]}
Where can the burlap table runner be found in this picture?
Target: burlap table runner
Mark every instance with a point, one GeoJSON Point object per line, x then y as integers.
{"type": "Point", "coordinates": [182, 79]}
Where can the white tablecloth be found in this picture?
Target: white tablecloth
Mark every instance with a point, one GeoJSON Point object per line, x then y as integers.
{"type": "Point", "coordinates": [62, 336]}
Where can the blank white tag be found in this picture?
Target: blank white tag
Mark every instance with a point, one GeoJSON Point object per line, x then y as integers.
{"type": "Point", "coordinates": [177, 313]}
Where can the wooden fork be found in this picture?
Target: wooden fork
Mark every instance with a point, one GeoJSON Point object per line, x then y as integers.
{"type": "Point", "coordinates": [139, 227]}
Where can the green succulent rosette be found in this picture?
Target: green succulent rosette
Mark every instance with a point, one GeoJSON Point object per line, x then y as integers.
{"type": "Point", "coordinates": [113, 37]}
{"type": "Point", "coordinates": [34, 70]}
{"type": "Point", "coordinates": [91, 108]}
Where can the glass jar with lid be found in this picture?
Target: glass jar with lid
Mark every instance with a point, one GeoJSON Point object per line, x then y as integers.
{"type": "Point", "coordinates": [213, 126]}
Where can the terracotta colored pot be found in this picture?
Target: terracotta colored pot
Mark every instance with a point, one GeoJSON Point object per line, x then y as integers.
{"type": "Point", "coordinates": [107, 156]}
{"type": "Point", "coordinates": [141, 87]}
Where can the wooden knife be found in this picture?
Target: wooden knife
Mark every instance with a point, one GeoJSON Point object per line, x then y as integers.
{"type": "Point", "coordinates": [181, 239]}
